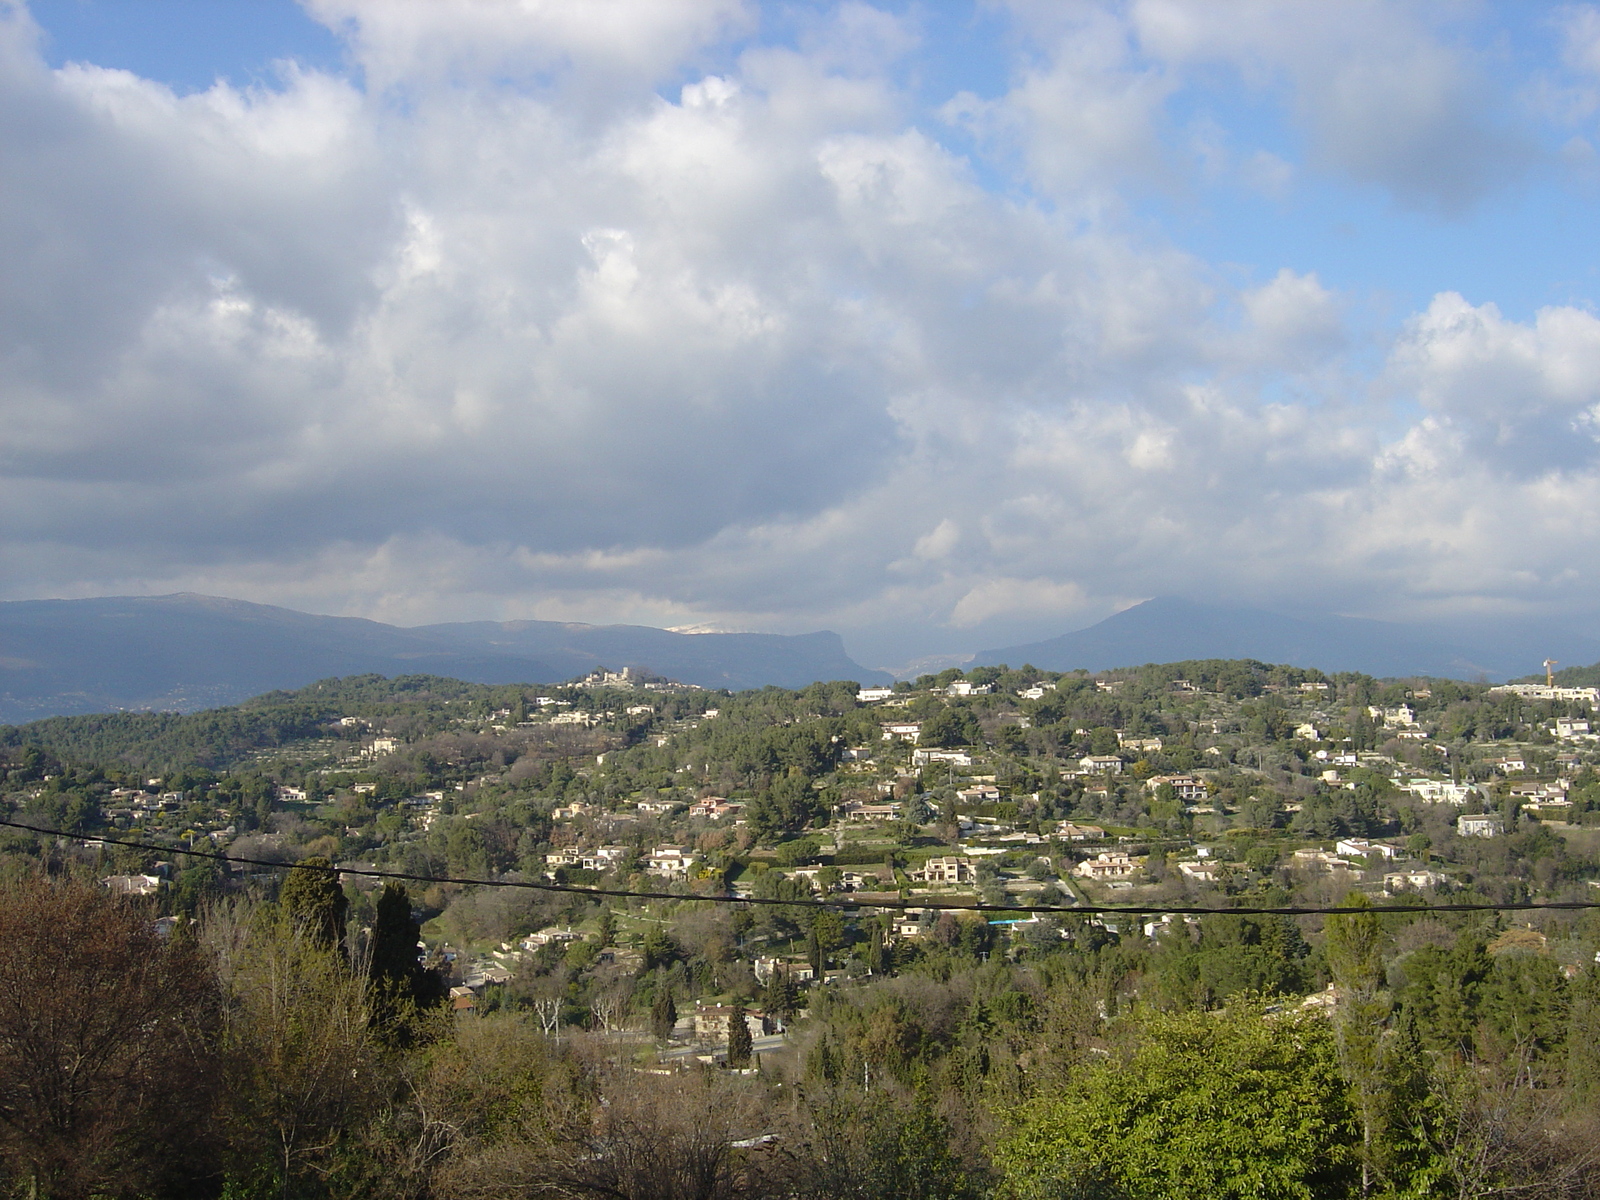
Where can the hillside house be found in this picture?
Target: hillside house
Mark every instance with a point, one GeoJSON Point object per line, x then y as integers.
{"type": "Point", "coordinates": [1484, 825]}
{"type": "Point", "coordinates": [669, 862]}
{"type": "Point", "coordinates": [1139, 745]}
{"type": "Point", "coordinates": [1361, 848]}
{"type": "Point", "coordinates": [1079, 833]}
{"type": "Point", "coordinates": [1187, 788]}
{"type": "Point", "coordinates": [711, 1023]}
{"type": "Point", "coordinates": [1439, 791]}
{"type": "Point", "coordinates": [861, 813]}
{"type": "Point", "coordinates": [950, 869]}
{"type": "Point", "coordinates": [1415, 880]}
{"type": "Point", "coordinates": [1109, 864]}
{"type": "Point", "coordinates": [955, 758]}
{"type": "Point", "coordinates": [132, 885]}
{"type": "Point", "coordinates": [1100, 764]}
{"type": "Point", "coordinates": [1200, 872]}
{"type": "Point", "coordinates": [902, 731]}
{"type": "Point", "coordinates": [551, 936]}
{"type": "Point", "coordinates": [1401, 716]}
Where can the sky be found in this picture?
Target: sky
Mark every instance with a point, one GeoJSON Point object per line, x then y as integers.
{"type": "Point", "coordinates": [946, 326]}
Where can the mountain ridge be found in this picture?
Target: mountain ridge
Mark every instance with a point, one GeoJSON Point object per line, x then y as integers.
{"type": "Point", "coordinates": [1175, 629]}
{"type": "Point", "coordinates": [188, 651]}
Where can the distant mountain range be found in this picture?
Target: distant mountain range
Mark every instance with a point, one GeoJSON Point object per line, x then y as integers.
{"type": "Point", "coordinates": [188, 652]}
{"type": "Point", "coordinates": [1169, 629]}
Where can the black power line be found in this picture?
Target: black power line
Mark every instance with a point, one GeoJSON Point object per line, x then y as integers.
{"type": "Point", "coordinates": [941, 905]}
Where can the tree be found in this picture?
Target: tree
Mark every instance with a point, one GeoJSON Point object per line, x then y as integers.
{"type": "Point", "coordinates": [1583, 1039]}
{"type": "Point", "coordinates": [302, 1068]}
{"type": "Point", "coordinates": [659, 949]}
{"type": "Point", "coordinates": [663, 1011]}
{"type": "Point", "coordinates": [739, 1043]}
{"type": "Point", "coordinates": [312, 897]}
{"type": "Point", "coordinates": [1223, 1105]}
{"type": "Point", "coordinates": [871, 1146]}
{"type": "Point", "coordinates": [778, 997]}
{"type": "Point", "coordinates": [1355, 955]}
{"type": "Point", "coordinates": [108, 1046]}
{"type": "Point", "coordinates": [400, 984]}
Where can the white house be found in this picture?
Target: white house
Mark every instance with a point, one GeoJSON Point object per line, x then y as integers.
{"type": "Point", "coordinates": [1200, 872]}
{"type": "Point", "coordinates": [1484, 825]}
{"type": "Point", "coordinates": [1139, 745]}
{"type": "Point", "coordinates": [550, 936]}
{"type": "Point", "coordinates": [950, 869]}
{"type": "Point", "coordinates": [1402, 715]}
{"type": "Point", "coordinates": [1100, 764]}
{"type": "Point", "coordinates": [1538, 691]}
{"type": "Point", "coordinates": [1110, 864]}
{"type": "Point", "coordinates": [870, 695]}
{"type": "Point", "coordinates": [1185, 787]}
{"type": "Point", "coordinates": [868, 812]}
{"type": "Point", "coordinates": [1416, 880]}
{"type": "Point", "coordinates": [902, 731]}
{"type": "Point", "coordinates": [1079, 833]}
{"type": "Point", "coordinates": [956, 758]}
{"type": "Point", "coordinates": [1439, 791]}
{"type": "Point", "coordinates": [1361, 847]}
{"type": "Point", "coordinates": [132, 885]}
{"type": "Point", "coordinates": [669, 862]}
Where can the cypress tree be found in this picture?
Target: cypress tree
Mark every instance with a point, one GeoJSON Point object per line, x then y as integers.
{"type": "Point", "coordinates": [663, 1012]}
{"type": "Point", "coordinates": [1583, 1039]}
{"type": "Point", "coordinates": [314, 900]}
{"type": "Point", "coordinates": [739, 1043]}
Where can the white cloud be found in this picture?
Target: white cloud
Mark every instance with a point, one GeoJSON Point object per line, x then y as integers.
{"type": "Point", "coordinates": [1384, 91]}
{"type": "Point", "coordinates": [625, 338]}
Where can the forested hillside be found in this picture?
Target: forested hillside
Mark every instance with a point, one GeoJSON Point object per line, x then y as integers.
{"type": "Point", "coordinates": [994, 933]}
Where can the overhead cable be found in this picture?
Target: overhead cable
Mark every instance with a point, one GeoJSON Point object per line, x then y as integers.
{"type": "Point", "coordinates": [897, 903]}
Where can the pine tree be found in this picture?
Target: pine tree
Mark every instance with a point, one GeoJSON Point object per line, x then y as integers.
{"type": "Point", "coordinates": [739, 1043]}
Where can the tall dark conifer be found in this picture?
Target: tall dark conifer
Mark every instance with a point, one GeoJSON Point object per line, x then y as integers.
{"type": "Point", "coordinates": [739, 1044]}
{"type": "Point", "coordinates": [314, 900]}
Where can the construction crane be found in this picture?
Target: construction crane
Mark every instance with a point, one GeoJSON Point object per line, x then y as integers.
{"type": "Point", "coordinates": [1549, 672]}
